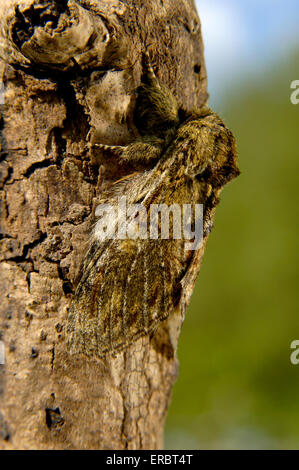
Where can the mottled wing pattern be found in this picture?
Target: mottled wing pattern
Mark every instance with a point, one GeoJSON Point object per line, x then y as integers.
{"type": "Point", "coordinates": [124, 296]}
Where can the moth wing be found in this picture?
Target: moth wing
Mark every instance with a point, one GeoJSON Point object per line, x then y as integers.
{"type": "Point", "coordinates": [133, 286]}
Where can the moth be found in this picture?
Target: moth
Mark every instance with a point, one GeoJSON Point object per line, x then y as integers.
{"type": "Point", "coordinates": [129, 286]}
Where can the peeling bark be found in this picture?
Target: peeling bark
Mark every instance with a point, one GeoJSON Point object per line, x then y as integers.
{"type": "Point", "coordinates": [70, 70]}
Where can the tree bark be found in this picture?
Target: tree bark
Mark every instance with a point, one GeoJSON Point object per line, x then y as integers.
{"type": "Point", "coordinates": [70, 70]}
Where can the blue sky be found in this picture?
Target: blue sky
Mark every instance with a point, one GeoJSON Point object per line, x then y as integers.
{"type": "Point", "coordinates": [243, 37]}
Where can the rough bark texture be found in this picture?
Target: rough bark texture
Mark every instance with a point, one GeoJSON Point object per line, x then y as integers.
{"type": "Point", "coordinates": [71, 68]}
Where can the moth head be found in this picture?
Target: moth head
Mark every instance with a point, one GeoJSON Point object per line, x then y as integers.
{"type": "Point", "coordinates": [157, 110]}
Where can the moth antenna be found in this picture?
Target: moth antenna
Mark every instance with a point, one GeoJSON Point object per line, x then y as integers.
{"type": "Point", "coordinates": [119, 148]}
{"type": "Point", "coordinates": [149, 69]}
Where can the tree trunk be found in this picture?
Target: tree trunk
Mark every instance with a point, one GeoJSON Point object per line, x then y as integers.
{"type": "Point", "coordinates": [70, 70]}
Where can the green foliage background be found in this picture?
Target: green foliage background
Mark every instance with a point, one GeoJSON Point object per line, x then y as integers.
{"type": "Point", "coordinates": [237, 388]}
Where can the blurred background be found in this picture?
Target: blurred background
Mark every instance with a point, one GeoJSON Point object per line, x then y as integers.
{"type": "Point", "coordinates": [237, 388]}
